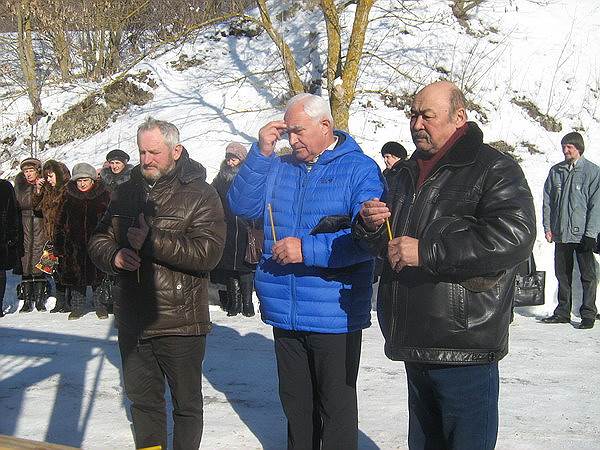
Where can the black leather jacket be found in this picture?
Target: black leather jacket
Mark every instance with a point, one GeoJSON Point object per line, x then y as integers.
{"type": "Point", "coordinates": [475, 221]}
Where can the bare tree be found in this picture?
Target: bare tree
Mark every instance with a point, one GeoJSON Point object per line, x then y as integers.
{"type": "Point", "coordinates": [342, 68]}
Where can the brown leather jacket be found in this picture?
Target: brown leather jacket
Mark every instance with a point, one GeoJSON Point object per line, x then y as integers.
{"type": "Point", "coordinates": [168, 295]}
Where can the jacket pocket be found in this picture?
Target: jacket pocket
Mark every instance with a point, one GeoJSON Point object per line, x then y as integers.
{"type": "Point", "coordinates": [458, 304]}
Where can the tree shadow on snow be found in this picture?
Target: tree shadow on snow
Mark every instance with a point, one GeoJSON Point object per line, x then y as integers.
{"type": "Point", "coordinates": [30, 357]}
{"type": "Point", "coordinates": [244, 369]}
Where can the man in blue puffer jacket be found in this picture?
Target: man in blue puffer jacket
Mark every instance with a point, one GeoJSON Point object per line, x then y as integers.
{"type": "Point", "coordinates": [313, 282]}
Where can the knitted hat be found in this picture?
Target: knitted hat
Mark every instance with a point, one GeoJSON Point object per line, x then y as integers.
{"type": "Point", "coordinates": [83, 170]}
{"type": "Point", "coordinates": [236, 149]}
{"type": "Point", "coordinates": [394, 148]}
{"type": "Point", "coordinates": [118, 155]}
{"type": "Point", "coordinates": [33, 163]}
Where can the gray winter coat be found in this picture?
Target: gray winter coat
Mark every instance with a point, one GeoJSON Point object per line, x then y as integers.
{"type": "Point", "coordinates": [572, 201]}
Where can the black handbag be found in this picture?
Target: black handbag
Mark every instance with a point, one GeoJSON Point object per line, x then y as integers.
{"type": "Point", "coordinates": [529, 284]}
{"type": "Point", "coordinates": [254, 247]}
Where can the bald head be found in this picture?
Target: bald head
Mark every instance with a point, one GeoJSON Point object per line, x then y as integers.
{"type": "Point", "coordinates": [438, 110]}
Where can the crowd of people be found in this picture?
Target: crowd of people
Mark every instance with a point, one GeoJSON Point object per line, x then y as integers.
{"type": "Point", "coordinates": [443, 231]}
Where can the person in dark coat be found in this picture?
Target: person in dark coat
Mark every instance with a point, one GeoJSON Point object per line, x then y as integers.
{"type": "Point", "coordinates": [33, 281]}
{"type": "Point", "coordinates": [462, 219]}
{"type": "Point", "coordinates": [118, 170]}
{"type": "Point", "coordinates": [163, 233]}
{"type": "Point", "coordinates": [233, 271]}
{"type": "Point", "coordinates": [11, 245]}
{"type": "Point", "coordinates": [48, 202]}
{"type": "Point", "coordinates": [392, 152]}
{"type": "Point", "coordinates": [86, 200]}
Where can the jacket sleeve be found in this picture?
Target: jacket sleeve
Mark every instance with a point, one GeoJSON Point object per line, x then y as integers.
{"type": "Point", "coordinates": [199, 248]}
{"type": "Point", "coordinates": [500, 236]}
{"type": "Point", "coordinates": [340, 249]}
{"type": "Point", "coordinates": [592, 224]}
{"type": "Point", "coordinates": [246, 196]}
{"type": "Point", "coordinates": [103, 246]}
{"type": "Point", "coordinates": [547, 203]}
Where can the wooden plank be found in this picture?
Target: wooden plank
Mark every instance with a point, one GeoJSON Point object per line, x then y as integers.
{"type": "Point", "coordinates": [13, 443]}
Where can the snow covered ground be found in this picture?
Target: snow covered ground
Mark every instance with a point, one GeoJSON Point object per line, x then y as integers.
{"type": "Point", "coordinates": [60, 382]}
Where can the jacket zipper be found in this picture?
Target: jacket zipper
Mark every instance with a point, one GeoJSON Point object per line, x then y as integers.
{"type": "Point", "coordinates": [303, 183]}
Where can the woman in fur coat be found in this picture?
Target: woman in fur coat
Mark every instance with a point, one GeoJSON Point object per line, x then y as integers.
{"type": "Point", "coordinates": [33, 280]}
{"type": "Point", "coordinates": [86, 200]}
{"type": "Point", "coordinates": [233, 270]}
{"type": "Point", "coordinates": [49, 202]}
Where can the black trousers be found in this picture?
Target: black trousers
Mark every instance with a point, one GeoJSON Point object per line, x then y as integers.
{"type": "Point", "coordinates": [563, 267]}
{"type": "Point", "coordinates": [317, 387]}
{"type": "Point", "coordinates": [146, 363]}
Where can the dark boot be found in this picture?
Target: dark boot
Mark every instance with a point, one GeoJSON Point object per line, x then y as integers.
{"type": "Point", "coordinates": [246, 287]}
{"type": "Point", "coordinates": [77, 302]}
{"type": "Point", "coordinates": [28, 298]}
{"type": "Point", "coordinates": [223, 301]}
{"type": "Point", "coordinates": [234, 300]}
{"type": "Point", "coordinates": [39, 289]}
{"type": "Point", "coordinates": [60, 302]}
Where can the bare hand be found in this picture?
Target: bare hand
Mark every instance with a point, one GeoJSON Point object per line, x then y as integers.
{"type": "Point", "coordinates": [287, 251]}
{"type": "Point", "coordinates": [269, 135]}
{"type": "Point", "coordinates": [373, 213]}
{"type": "Point", "coordinates": [403, 251]}
{"type": "Point", "coordinates": [38, 184]}
{"type": "Point", "coordinates": [137, 236]}
{"type": "Point", "coordinates": [549, 236]}
{"type": "Point", "coordinates": [127, 259]}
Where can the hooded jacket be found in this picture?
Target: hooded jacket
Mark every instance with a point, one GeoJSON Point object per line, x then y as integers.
{"type": "Point", "coordinates": [571, 208]}
{"type": "Point", "coordinates": [320, 294]}
{"type": "Point", "coordinates": [475, 221]}
{"type": "Point", "coordinates": [168, 295]}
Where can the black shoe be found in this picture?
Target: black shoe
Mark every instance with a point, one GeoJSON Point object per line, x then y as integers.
{"type": "Point", "coordinates": [586, 324]}
{"type": "Point", "coordinates": [555, 319]}
{"type": "Point", "coordinates": [75, 315]}
{"type": "Point", "coordinates": [27, 307]}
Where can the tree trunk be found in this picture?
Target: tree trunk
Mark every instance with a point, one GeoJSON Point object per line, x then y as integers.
{"type": "Point", "coordinates": [27, 59]}
{"type": "Point", "coordinates": [61, 47]}
{"type": "Point", "coordinates": [289, 63]}
{"type": "Point", "coordinates": [341, 82]}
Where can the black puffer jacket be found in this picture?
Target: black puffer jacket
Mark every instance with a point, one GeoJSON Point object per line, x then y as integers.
{"type": "Point", "coordinates": [184, 243]}
{"type": "Point", "coordinates": [475, 221]}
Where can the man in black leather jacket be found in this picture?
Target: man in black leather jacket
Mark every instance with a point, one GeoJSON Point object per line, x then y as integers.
{"type": "Point", "coordinates": [462, 217]}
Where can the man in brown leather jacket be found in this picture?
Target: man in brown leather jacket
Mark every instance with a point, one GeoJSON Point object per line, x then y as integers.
{"type": "Point", "coordinates": [462, 218]}
{"type": "Point", "coordinates": [163, 233]}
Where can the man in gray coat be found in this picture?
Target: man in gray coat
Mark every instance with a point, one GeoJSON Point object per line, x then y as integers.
{"type": "Point", "coordinates": [572, 221]}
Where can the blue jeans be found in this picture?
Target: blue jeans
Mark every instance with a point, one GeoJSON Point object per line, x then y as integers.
{"type": "Point", "coordinates": [452, 407]}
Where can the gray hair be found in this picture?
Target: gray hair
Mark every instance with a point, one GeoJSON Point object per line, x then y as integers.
{"type": "Point", "coordinates": [314, 106]}
{"type": "Point", "coordinates": [169, 132]}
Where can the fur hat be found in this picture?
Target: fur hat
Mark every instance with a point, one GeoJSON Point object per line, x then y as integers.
{"type": "Point", "coordinates": [83, 170]}
{"type": "Point", "coordinates": [118, 155]}
{"type": "Point", "coordinates": [33, 163]}
{"type": "Point", "coordinates": [236, 149]}
{"type": "Point", "coordinates": [394, 148]}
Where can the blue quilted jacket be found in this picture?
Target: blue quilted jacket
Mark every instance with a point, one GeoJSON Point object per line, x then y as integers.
{"type": "Point", "coordinates": [330, 292]}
